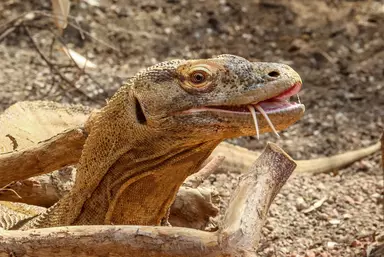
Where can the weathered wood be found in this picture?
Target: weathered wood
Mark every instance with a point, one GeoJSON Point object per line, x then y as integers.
{"type": "Point", "coordinates": [248, 208]}
{"type": "Point", "coordinates": [109, 241]}
{"type": "Point", "coordinates": [192, 208]}
{"type": "Point", "coordinates": [52, 154]}
{"type": "Point", "coordinates": [335, 162]}
{"type": "Point", "coordinates": [197, 178]}
{"type": "Point", "coordinates": [44, 190]}
{"type": "Point", "coordinates": [239, 159]}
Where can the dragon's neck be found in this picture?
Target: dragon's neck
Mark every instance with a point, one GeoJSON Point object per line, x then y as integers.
{"type": "Point", "coordinates": [132, 192]}
{"type": "Point", "coordinates": [127, 174]}
{"type": "Point", "coordinates": [142, 192]}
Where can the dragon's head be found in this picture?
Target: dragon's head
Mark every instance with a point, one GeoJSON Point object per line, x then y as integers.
{"type": "Point", "coordinates": [226, 96]}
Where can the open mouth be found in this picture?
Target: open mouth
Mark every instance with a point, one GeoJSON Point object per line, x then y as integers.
{"type": "Point", "coordinates": [277, 104]}
{"type": "Point", "coordinates": [281, 102]}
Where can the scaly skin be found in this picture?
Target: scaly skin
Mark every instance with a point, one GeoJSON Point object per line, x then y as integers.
{"type": "Point", "coordinates": [158, 129]}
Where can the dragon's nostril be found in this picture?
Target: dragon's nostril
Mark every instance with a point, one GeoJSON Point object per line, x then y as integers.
{"type": "Point", "coordinates": [274, 74]}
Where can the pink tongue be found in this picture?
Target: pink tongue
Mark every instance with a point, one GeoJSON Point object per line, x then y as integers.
{"type": "Point", "coordinates": [290, 92]}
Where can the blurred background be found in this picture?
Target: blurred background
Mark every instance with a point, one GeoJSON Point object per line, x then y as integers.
{"type": "Point", "coordinates": [337, 46]}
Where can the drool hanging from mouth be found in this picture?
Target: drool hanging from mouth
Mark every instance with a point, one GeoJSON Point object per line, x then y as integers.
{"type": "Point", "coordinates": [265, 115]}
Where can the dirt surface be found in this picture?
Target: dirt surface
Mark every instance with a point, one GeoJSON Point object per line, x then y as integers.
{"type": "Point", "coordinates": [336, 46]}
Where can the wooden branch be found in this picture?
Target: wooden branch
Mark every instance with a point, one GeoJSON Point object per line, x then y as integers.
{"type": "Point", "coordinates": [52, 154]}
{"type": "Point", "coordinates": [250, 203]}
{"type": "Point", "coordinates": [197, 178]}
{"type": "Point", "coordinates": [192, 208]}
{"type": "Point", "coordinates": [44, 190]}
{"type": "Point", "coordinates": [239, 159]}
{"type": "Point", "coordinates": [336, 162]}
{"type": "Point", "coordinates": [238, 236]}
{"type": "Point", "coordinates": [109, 241]}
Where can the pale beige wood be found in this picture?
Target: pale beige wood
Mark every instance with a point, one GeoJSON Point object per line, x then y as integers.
{"type": "Point", "coordinates": [49, 155]}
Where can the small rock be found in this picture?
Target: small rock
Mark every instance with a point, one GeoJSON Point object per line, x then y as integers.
{"type": "Point", "coordinates": [224, 193]}
{"type": "Point", "coordinates": [355, 243]}
{"type": "Point", "coordinates": [349, 199]}
{"type": "Point", "coordinates": [323, 216]}
{"type": "Point", "coordinates": [359, 199]}
{"type": "Point", "coordinates": [300, 203]}
{"type": "Point", "coordinates": [335, 213]}
{"type": "Point", "coordinates": [331, 245]}
{"type": "Point", "coordinates": [30, 16]}
{"type": "Point", "coordinates": [284, 250]}
{"type": "Point", "coordinates": [269, 227]}
{"type": "Point", "coordinates": [334, 221]}
{"type": "Point", "coordinates": [270, 251]}
{"type": "Point", "coordinates": [310, 253]}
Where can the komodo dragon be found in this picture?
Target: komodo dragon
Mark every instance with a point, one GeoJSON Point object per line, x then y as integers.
{"type": "Point", "coordinates": [156, 130]}
{"type": "Point", "coordinates": [159, 128]}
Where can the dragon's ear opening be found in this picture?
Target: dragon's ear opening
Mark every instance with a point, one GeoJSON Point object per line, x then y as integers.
{"type": "Point", "coordinates": [140, 116]}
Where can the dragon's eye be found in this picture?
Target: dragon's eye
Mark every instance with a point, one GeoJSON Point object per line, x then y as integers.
{"type": "Point", "coordinates": [198, 77]}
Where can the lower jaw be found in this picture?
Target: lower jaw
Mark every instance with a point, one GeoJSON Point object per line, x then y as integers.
{"type": "Point", "coordinates": [269, 108]}
{"type": "Point", "coordinates": [240, 123]}
{"type": "Point", "coordinates": [281, 120]}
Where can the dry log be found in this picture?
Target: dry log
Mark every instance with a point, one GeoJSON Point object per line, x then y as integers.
{"type": "Point", "coordinates": [238, 236]}
{"type": "Point", "coordinates": [247, 211]}
{"type": "Point", "coordinates": [52, 154]}
{"type": "Point", "coordinates": [43, 190]}
{"type": "Point", "coordinates": [109, 241]}
{"type": "Point", "coordinates": [192, 208]}
{"type": "Point", "coordinates": [336, 162]}
{"type": "Point", "coordinates": [196, 179]}
{"type": "Point", "coordinates": [239, 159]}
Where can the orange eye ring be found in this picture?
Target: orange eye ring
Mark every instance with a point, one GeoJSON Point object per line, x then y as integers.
{"type": "Point", "coordinates": [198, 76]}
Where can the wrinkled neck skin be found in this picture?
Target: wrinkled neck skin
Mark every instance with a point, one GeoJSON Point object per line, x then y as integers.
{"type": "Point", "coordinates": [129, 173]}
{"type": "Point", "coordinates": [142, 183]}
